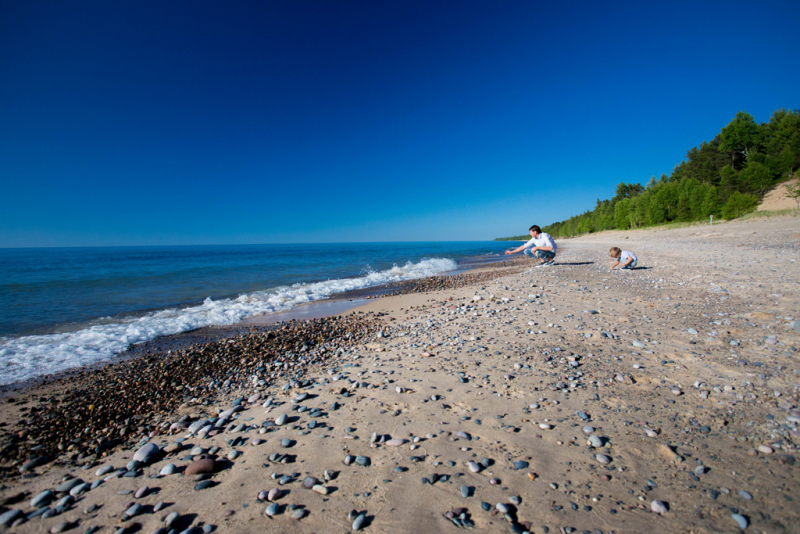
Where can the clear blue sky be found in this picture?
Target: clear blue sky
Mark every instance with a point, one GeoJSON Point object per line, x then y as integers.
{"type": "Point", "coordinates": [133, 123]}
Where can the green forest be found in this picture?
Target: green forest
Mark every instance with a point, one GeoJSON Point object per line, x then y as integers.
{"type": "Point", "coordinates": [725, 178]}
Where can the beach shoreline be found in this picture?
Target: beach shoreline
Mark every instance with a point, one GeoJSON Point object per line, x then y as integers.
{"type": "Point", "coordinates": [336, 305]}
{"type": "Point", "coordinates": [506, 357]}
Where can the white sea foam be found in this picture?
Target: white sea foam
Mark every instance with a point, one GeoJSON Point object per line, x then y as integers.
{"type": "Point", "coordinates": [28, 357]}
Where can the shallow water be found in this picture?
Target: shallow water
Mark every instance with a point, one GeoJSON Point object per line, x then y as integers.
{"type": "Point", "coordinates": [64, 308]}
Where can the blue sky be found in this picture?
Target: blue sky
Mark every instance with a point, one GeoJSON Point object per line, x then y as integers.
{"type": "Point", "coordinates": [141, 123]}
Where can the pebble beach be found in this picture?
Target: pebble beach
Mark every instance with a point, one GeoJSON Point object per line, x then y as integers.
{"type": "Point", "coordinates": [511, 398]}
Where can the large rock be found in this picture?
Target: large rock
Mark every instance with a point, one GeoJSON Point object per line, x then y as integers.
{"type": "Point", "coordinates": [147, 453]}
{"type": "Point", "coordinates": [206, 465]}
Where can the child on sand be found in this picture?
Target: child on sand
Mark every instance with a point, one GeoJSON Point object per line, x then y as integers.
{"type": "Point", "coordinates": [627, 259]}
{"type": "Point", "coordinates": [540, 245]}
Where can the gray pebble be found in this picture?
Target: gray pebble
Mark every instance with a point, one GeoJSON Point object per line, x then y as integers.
{"type": "Point", "coordinates": [659, 507]}
{"type": "Point", "coordinates": [745, 495]}
{"type": "Point", "coordinates": [133, 510]}
{"type": "Point", "coordinates": [42, 499]}
{"type": "Point", "coordinates": [146, 453]}
{"type": "Point", "coordinates": [465, 491]}
{"type": "Point", "coordinates": [170, 519]}
{"type": "Point", "coordinates": [6, 518]}
{"type": "Point", "coordinates": [740, 520]}
{"type": "Point", "coordinates": [167, 469]}
{"type": "Point", "coordinates": [104, 470]}
{"type": "Point", "coordinates": [359, 522]}
{"type": "Point", "coordinates": [603, 459]}
{"type": "Point", "coordinates": [67, 486]}
{"type": "Point", "coordinates": [521, 464]}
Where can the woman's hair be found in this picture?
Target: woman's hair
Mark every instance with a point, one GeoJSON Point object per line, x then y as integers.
{"type": "Point", "coordinates": [615, 252]}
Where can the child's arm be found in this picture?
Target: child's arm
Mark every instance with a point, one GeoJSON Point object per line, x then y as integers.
{"type": "Point", "coordinates": [630, 260]}
{"type": "Point", "coordinates": [615, 264]}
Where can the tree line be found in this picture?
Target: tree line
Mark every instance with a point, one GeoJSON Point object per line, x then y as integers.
{"type": "Point", "coordinates": [725, 178]}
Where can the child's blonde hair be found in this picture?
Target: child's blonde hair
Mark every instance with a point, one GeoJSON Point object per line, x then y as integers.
{"type": "Point", "coordinates": [616, 252]}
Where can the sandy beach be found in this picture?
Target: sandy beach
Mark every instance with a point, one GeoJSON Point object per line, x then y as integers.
{"type": "Point", "coordinates": [512, 399]}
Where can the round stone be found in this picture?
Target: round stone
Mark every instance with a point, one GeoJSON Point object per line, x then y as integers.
{"type": "Point", "coordinates": [206, 465]}
{"type": "Point", "coordinates": [43, 498]}
{"type": "Point", "coordinates": [204, 484]}
{"type": "Point", "coordinates": [740, 520]}
{"type": "Point", "coordinates": [168, 469]}
{"type": "Point", "coordinates": [659, 507]}
{"type": "Point", "coordinates": [146, 453]}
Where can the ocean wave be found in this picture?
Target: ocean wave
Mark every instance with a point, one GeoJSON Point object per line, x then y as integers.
{"type": "Point", "coordinates": [27, 357]}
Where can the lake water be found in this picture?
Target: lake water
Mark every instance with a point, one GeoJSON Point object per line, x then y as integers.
{"type": "Point", "coordinates": [70, 307]}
